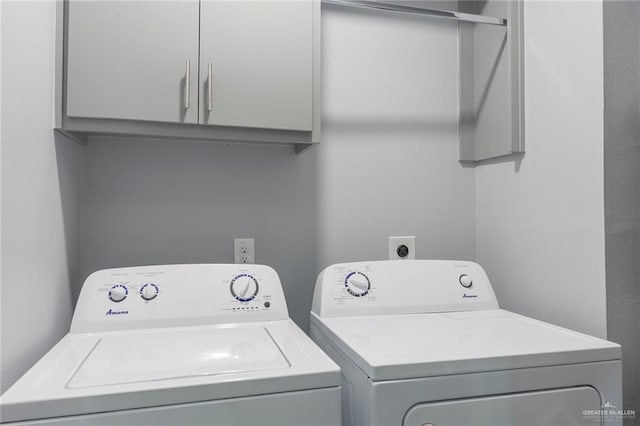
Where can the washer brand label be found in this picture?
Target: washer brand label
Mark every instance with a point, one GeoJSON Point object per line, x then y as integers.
{"type": "Point", "coordinates": [469, 296]}
{"type": "Point", "coordinates": [112, 312]}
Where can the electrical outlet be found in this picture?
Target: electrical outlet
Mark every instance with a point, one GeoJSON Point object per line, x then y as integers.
{"type": "Point", "coordinates": [244, 250]}
{"type": "Point", "coordinates": [402, 248]}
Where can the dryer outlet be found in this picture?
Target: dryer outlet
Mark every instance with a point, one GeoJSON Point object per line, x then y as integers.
{"type": "Point", "coordinates": [402, 247]}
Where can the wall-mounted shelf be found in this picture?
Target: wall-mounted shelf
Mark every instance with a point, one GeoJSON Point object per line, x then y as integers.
{"type": "Point", "coordinates": [490, 71]}
{"type": "Point", "coordinates": [491, 79]}
{"type": "Point", "coordinates": [437, 13]}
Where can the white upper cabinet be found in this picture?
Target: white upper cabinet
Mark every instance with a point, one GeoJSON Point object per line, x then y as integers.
{"type": "Point", "coordinates": [245, 70]}
{"type": "Point", "coordinates": [256, 62]}
{"type": "Point", "coordinates": [133, 60]}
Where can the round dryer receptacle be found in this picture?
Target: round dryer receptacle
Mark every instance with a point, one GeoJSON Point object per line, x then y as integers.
{"type": "Point", "coordinates": [402, 250]}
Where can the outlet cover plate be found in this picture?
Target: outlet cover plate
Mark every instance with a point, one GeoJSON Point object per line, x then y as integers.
{"type": "Point", "coordinates": [244, 250]}
{"type": "Point", "coordinates": [395, 242]}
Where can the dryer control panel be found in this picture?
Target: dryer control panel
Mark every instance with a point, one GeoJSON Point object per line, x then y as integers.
{"type": "Point", "coordinates": [402, 286]}
{"type": "Point", "coordinates": [178, 295]}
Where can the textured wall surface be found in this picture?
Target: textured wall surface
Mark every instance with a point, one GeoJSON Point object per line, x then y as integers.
{"type": "Point", "coordinates": [622, 187]}
{"type": "Point", "coordinates": [41, 175]}
{"type": "Point", "coordinates": [540, 217]}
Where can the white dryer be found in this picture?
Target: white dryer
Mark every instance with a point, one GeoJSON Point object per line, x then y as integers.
{"type": "Point", "coordinates": [424, 343]}
{"type": "Point", "coordinates": [179, 345]}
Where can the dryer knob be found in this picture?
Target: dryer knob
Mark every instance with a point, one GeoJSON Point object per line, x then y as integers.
{"type": "Point", "coordinates": [465, 281]}
{"type": "Point", "coordinates": [357, 284]}
{"type": "Point", "coordinates": [118, 293]}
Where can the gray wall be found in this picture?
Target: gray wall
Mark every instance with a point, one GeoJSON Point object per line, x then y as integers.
{"type": "Point", "coordinates": [388, 162]}
{"type": "Point", "coordinates": [40, 182]}
{"type": "Point", "coordinates": [622, 187]}
{"type": "Point", "coordinates": [540, 216]}
{"type": "Point", "coordinates": [155, 202]}
{"type": "Point", "coordinates": [387, 166]}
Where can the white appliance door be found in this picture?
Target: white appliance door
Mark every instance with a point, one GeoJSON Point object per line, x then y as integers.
{"type": "Point", "coordinates": [162, 355]}
{"type": "Point", "coordinates": [561, 407]}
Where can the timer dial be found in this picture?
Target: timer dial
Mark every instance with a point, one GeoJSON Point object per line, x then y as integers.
{"type": "Point", "coordinates": [118, 293]}
{"type": "Point", "coordinates": [357, 284]}
{"type": "Point", "coordinates": [244, 287]}
{"type": "Point", "coordinates": [465, 281]}
{"type": "Point", "coordinates": [149, 291]}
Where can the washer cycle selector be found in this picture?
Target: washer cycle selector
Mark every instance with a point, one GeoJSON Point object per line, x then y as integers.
{"type": "Point", "coordinates": [244, 287]}
{"type": "Point", "coordinates": [357, 284]}
{"type": "Point", "coordinates": [149, 291]}
{"type": "Point", "coordinates": [465, 281]}
{"type": "Point", "coordinates": [118, 293]}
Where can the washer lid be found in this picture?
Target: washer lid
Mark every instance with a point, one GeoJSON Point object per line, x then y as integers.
{"type": "Point", "coordinates": [112, 371]}
{"type": "Point", "coordinates": [387, 347]}
{"type": "Point", "coordinates": [142, 357]}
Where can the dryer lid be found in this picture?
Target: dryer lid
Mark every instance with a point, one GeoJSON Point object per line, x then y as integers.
{"type": "Point", "coordinates": [388, 347]}
{"type": "Point", "coordinates": [142, 357]}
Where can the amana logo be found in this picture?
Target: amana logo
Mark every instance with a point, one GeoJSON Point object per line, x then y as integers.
{"type": "Point", "coordinates": [469, 296]}
{"type": "Point", "coordinates": [112, 312]}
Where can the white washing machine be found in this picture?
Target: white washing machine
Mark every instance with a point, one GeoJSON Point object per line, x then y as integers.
{"type": "Point", "coordinates": [424, 343]}
{"type": "Point", "coordinates": [180, 345]}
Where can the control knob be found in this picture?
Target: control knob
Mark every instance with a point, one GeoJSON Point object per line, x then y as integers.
{"type": "Point", "coordinates": [357, 284]}
{"type": "Point", "coordinates": [149, 291]}
{"type": "Point", "coordinates": [118, 293]}
{"type": "Point", "coordinates": [465, 281]}
{"type": "Point", "coordinates": [244, 287]}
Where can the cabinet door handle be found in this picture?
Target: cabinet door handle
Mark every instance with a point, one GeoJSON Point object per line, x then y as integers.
{"type": "Point", "coordinates": [187, 85]}
{"type": "Point", "coordinates": [210, 87]}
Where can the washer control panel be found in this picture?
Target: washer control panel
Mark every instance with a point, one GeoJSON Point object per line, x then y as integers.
{"type": "Point", "coordinates": [402, 286]}
{"type": "Point", "coordinates": [178, 295]}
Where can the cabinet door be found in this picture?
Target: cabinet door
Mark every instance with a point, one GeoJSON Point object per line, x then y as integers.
{"type": "Point", "coordinates": [256, 63]}
{"type": "Point", "coordinates": [130, 60]}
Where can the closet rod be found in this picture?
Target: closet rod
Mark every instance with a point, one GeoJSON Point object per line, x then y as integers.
{"type": "Point", "coordinates": [446, 14]}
